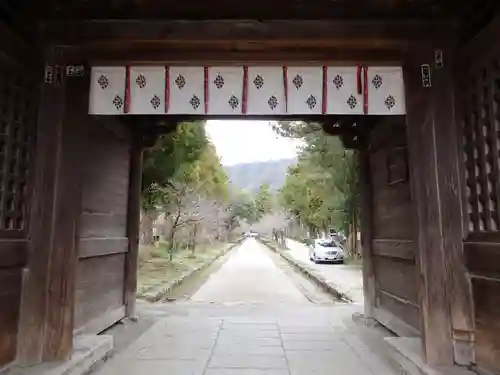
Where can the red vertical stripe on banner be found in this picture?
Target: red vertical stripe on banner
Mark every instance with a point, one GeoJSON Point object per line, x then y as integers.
{"type": "Point", "coordinates": [127, 90]}
{"type": "Point", "coordinates": [206, 89]}
{"type": "Point", "coordinates": [285, 86]}
{"type": "Point", "coordinates": [244, 96]}
{"type": "Point", "coordinates": [365, 89]}
{"type": "Point", "coordinates": [358, 80]}
{"type": "Point", "coordinates": [325, 89]}
{"type": "Point", "coordinates": [167, 88]}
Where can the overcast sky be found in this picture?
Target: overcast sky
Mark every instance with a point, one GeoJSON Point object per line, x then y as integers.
{"type": "Point", "coordinates": [248, 141]}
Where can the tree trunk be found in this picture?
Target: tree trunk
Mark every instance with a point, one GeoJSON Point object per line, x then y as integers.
{"type": "Point", "coordinates": [147, 234]}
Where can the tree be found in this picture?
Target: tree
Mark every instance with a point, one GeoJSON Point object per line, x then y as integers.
{"type": "Point", "coordinates": [195, 186]}
{"type": "Point", "coordinates": [321, 191]}
{"type": "Point", "coordinates": [263, 202]}
{"type": "Point", "coordinates": [180, 171]}
{"type": "Point", "coordinates": [168, 156]}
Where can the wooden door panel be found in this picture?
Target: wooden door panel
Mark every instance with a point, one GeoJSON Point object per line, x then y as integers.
{"type": "Point", "coordinates": [393, 229]}
{"type": "Point", "coordinates": [103, 242]}
{"type": "Point", "coordinates": [478, 109]}
{"type": "Point", "coordinates": [18, 110]}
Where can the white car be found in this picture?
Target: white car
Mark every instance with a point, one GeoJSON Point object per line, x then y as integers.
{"type": "Point", "coordinates": [326, 250]}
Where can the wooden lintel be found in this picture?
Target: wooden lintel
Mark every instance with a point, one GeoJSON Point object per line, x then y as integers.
{"type": "Point", "coordinates": [375, 34]}
{"type": "Point", "coordinates": [228, 54]}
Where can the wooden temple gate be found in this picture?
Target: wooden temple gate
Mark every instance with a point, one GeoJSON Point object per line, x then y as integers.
{"type": "Point", "coordinates": [70, 182]}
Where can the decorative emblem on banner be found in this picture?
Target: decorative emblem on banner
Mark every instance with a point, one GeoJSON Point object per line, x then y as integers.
{"type": "Point", "coordinates": [195, 101]}
{"type": "Point", "coordinates": [311, 101]}
{"type": "Point", "coordinates": [377, 81]}
{"type": "Point", "coordinates": [234, 102]}
{"type": "Point", "coordinates": [180, 81]}
{"type": "Point", "coordinates": [390, 102]}
{"type": "Point", "coordinates": [352, 102]}
{"type": "Point", "coordinates": [298, 81]}
{"type": "Point", "coordinates": [118, 102]}
{"type": "Point", "coordinates": [338, 81]}
{"type": "Point", "coordinates": [273, 102]}
{"type": "Point", "coordinates": [219, 81]}
{"type": "Point", "coordinates": [141, 81]}
{"type": "Point", "coordinates": [155, 101]}
{"type": "Point", "coordinates": [258, 81]}
{"type": "Point", "coordinates": [103, 81]}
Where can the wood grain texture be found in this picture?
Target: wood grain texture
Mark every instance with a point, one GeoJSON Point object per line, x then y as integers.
{"type": "Point", "coordinates": [58, 340]}
{"type": "Point", "coordinates": [133, 223]}
{"type": "Point", "coordinates": [392, 237]}
{"type": "Point", "coordinates": [103, 239]}
{"type": "Point", "coordinates": [422, 120]}
{"type": "Point", "coordinates": [99, 287]}
{"type": "Point", "coordinates": [34, 306]}
{"type": "Point", "coordinates": [96, 247]}
{"type": "Point", "coordinates": [102, 225]}
{"type": "Point", "coordinates": [403, 249]}
{"type": "Point", "coordinates": [397, 277]}
{"type": "Point", "coordinates": [487, 305]}
{"type": "Point", "coordinates": [13, 253]}
{"type": "Point", "coordinates": [10, 299]}
{"type": "Point", "coordinates": [401, 309]}
{"type": "Point", "coordinates": [340, 32]}
{"type": "Point", "coordinates": [366, 216]}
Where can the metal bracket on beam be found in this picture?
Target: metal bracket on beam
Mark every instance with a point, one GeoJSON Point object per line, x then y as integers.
{"type": "Point", "coordinates": [75, 71]}
{"type": "Point", "coordinates": [49, 74]}
{"type": "Point", "coordinates": [438, 58]}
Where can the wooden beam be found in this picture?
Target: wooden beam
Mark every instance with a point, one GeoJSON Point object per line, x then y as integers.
{"type": "Point", "coordinates": [346, 33]}
{"type": "Point", "coordinates": [59, 327]}
{"type": "Point", "coordinates": [366, 216]}
{"type": "Point", "coordinates": [451, 188]}
{"type": "Point", "coordinates": [133, 223]}
{"type": "Point", "coordinates": [35, 297]}
{"type": "Point", "coordinates": [211, 54]}
{"type": "Point", "coordinates": [435, 185]}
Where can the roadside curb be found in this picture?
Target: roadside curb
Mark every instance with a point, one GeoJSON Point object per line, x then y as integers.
{"type": "Point", "coordinates": [309, 272]}
{"type": "Point", "coordinates": [157, 293]}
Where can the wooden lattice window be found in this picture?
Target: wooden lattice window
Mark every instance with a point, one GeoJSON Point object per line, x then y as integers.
{"type": "Point", "coordinates": [17, 124]}
{"type": "Point", "coordinates": [481, 141]}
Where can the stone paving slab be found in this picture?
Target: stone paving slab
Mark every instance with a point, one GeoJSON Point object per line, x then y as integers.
{"type": "Point", "coordinates": [248, 346]}
{"type": "Point", "coordinates": [268, 338]}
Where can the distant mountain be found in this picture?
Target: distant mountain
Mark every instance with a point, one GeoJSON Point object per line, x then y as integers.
{"type": "Point", "coordinates": [250, 176]}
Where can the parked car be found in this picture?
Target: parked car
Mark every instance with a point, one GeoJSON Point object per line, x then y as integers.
{"type": "Point", "coordinates": [252, 233]}
{"type": "Point", "coordinates": [326, 250]}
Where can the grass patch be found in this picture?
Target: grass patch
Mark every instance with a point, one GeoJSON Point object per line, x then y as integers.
{"type": "Point", "coordinates": [156, 268]}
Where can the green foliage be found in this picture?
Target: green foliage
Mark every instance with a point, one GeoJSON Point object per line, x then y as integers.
{"type": "Point", "coordinates": [321, 191]}
{"type": "Point", "coordinates": [244, 207]}
{"type": "Point", "coordinates": [263, 202]}
{"type": "Point", "coordinates": [171, 155]}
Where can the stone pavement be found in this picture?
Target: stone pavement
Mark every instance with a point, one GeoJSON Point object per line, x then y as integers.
{"type": "Point", "coordinates": [346, 279]}
{"type": "Point", "coordinates": [249, 276]}
{"type": "Point", "coordinates": [242, 340]}
{"type": "Point", "coordinates": [279, 333]}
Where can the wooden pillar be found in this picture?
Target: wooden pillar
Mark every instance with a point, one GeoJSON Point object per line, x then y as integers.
{"type": "Point", "coordinates": [367, 230]}
{"type": "Point", "coordinates": [47, 309]}
{"type": "Point", "coordinates": [133, 222]}
{"type": "Point", "coordinates": [432, 139]}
